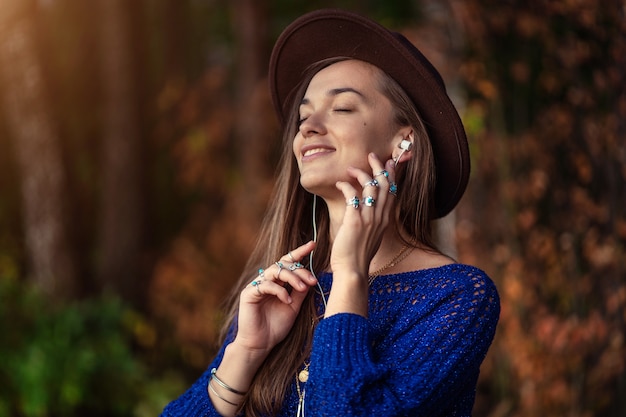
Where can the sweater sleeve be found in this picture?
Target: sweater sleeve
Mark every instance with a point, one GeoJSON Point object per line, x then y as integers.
{"type": "Point", "coordinates": [195, 402]}
{"type": "Point", "coordinates": [426, 362]}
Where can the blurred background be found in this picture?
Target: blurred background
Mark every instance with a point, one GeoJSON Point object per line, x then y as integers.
{"type": "Point", "coordinates": [137, 153]}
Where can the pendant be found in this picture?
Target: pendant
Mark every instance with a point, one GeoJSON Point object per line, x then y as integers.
{"type": "Point", "coordinates": [303, 376]}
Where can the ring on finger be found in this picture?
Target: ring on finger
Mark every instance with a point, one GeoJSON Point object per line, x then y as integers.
{"type": "Point", "coordinates": [256, 284]}
{"type": "Point", "coordinates": [354, 202]}
{"type": "Point", "coordinates": [371, 183]}
{"type": "Point", "coordinates": [291, 256]}
{"type": "Point", "coordinates": [280, 268]}
{"type": "Point", "coordinates": [294, 266]}
{"type": "Point", "coordinates": [369, 201]}
{"type": "Point", "coordinates": [393, 188]}
{"type": "Point", "coordinates": [384, 173]}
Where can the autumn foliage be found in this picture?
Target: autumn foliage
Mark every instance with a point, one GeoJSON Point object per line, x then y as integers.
{"type": "Point", "coordinates": [541, 87]}
{"type": "Point", "coordinates": [546, 212]}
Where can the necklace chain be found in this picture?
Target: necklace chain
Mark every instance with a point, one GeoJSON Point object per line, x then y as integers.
{"type": "Point", "coordinates": [303, 376]}
{"type": "Point", "coordinates": [404, 252]}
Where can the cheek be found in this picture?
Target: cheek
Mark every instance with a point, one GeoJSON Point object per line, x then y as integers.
{"type": "Point", "coordinates": [379, 141]}
{"type": "Point", "coordinates": [295, 145]}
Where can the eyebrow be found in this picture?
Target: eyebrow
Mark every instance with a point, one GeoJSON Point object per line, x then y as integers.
{"type": "Point", "coordinates": [335, 92]}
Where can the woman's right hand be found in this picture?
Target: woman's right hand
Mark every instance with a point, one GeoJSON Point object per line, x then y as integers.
{"type": "Point", "coordinates": [267, 310]}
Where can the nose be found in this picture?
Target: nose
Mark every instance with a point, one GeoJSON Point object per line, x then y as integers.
{"type": "Point", "coordinates": [312, 125]}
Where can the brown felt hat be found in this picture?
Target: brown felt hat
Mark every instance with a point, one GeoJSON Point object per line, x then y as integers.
{"type": "Point", "coordinates": [331, 33]}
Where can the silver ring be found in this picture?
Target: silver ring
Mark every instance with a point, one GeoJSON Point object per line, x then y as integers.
{"type": "Point", "coordinates": [291, 256]}
{"type": "Point", "coordinates": [369, 201]}
{"type": "Point", "coordinates": [354, 202]}
{"type": "Point", "coordinates": [373, 183]}
{"type": "Point", "coordinates": [384, 173]}
{"type": "Point", "coordinates": [294, 266]}
{"type": "Point", "coordinates": [393, 188]}
{"type": "Point", "coordinates": [261, 272]}
{"type": "Point", "coordinates": [256, 284]}
{"type": "Point", "coordinates": [280, 268]}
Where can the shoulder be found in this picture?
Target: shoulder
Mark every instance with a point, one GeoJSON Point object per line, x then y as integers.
{"type": "Point", "coordinates": [453, 285]}
{"type": "Point", "coordinates": [451, 275]}
{"type": "Point", "coordinates": [462, 283]}
{"type": "Point", "coordinates": [460, 276]}
{"type": "Point", "coordinates": [450, 301]}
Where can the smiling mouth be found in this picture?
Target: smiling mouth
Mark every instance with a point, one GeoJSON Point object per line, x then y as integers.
{"type": "Point", "coordinates": [314, 151]}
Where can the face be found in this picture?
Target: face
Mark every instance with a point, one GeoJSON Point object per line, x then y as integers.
{"type": "Point", "coordinates": [343, 117]}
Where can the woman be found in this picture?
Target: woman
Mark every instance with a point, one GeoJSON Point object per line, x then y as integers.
{"type": "Point", "coordinates": [379, 322]}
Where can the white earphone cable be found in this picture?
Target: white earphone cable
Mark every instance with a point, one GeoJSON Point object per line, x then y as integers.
{"type": "Point", "coordinates": [319, 287]}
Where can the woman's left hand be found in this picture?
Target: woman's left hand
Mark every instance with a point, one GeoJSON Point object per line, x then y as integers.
{"type": "Point", "coordinates": [365, 220]}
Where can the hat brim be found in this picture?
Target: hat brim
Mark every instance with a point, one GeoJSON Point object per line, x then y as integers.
{"type": "Point", "coordinates": [331, 33]}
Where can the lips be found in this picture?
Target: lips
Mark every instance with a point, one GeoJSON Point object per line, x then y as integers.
{"type": "Point", "coordinates": [310, 151]}
{"type": "Point", "coordinates": [316, 150]}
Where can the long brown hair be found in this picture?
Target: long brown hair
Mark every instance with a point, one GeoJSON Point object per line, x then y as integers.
{"type": "Point", "coordinates": [289, 223]}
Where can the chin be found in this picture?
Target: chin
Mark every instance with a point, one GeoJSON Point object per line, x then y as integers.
{"type": "Point", "coordinates": [318, 186]}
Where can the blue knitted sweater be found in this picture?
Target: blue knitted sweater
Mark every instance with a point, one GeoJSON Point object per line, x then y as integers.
{"type": "Point", "coordinates": [417, 354]}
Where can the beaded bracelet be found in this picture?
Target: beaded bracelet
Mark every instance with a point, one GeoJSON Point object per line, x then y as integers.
{"type": "Point", "coordinates": [223, 384]}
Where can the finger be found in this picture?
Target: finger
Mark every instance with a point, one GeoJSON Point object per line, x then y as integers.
{"type": "Point", "coordinates": [370, 186]}
{"type": "Point", "coordinates": [288, 273]}
{"type": "Point", "coordinates": [388, 189]}
{"type": "Point", "coordinates": [393, 186]}
{"type": "Point", "coordinates": [293, 269]}
{"type": "Point", "coordinates": [255, 284]}
{"type": "Point", "coordinates": [388, 173]}
{"type": "Point", "coordinates": [391, 170]}
{"type": "Point", "coordinates": [298, 254]}
{"type": "Point", "coordinates": [373, 189]}
{"type": "Point", "coordinates": [267, 288]}
{"type": "Point", "coordinates": [298, 297]}
{"type": "Point", "coordinates": [261, 288]}
{"type": "Point", "coordinates": [351, 195]}
{"type": "Point", "coordinates": [384, 174]}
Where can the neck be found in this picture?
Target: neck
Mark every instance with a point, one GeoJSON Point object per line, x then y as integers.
{"type": "Point", "coordinates": [389, 248]}
{"type": "Point", "coordinates": [336, 210]}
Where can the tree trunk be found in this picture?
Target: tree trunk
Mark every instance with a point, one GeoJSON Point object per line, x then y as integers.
{"type": "Point", "coordinates": [120, 228]}
{"type": "Point", "coordinates": [251, 126]}
{"type": "Point", "coordinates": [38, 153]}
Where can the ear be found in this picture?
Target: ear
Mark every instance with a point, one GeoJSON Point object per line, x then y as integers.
{"type": "Point", "coordinates": [403, 144]}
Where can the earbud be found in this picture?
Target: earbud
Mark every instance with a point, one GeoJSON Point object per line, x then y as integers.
{"type": "Point", "coordinates": [405, 145]}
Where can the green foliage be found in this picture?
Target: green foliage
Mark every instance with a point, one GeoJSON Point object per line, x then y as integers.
{"type": "Point", "coordinates": [72, 360]}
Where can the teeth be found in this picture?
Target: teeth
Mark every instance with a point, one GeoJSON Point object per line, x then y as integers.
{"type": "Point", "coordinates": [313, 151]}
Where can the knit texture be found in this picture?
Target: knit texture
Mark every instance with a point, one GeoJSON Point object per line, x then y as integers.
{"type": "Point", "coordinates": [417, 354]}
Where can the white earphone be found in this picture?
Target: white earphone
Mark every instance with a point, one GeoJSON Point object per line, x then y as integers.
{"type": "Point", "coordinates": [405, 145]}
